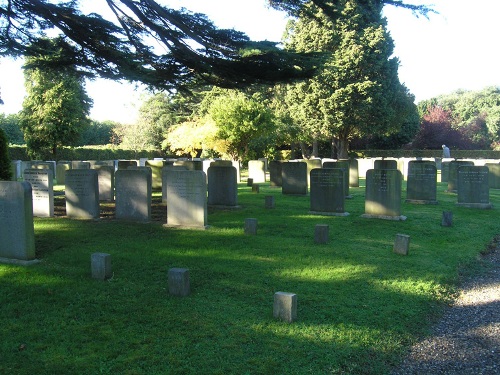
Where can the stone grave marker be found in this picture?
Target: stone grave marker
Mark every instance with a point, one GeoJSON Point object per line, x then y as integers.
{"type": "Point", "coordinates": [250, 226]}
{"type": "Point", "coordinates": [453, 174]}
{"type": "Point", "coordinates": [473, 188]}
{"type": "Point", "coordinates": [156, 172]}
{"type": "Point", "coordinates": [222, 186]}
{"type": "Point", "coordinates": [343, 165]}
{"type": "Point", "coordinates": [82, 194]}
{"type": "Point", "coordinates": [186, 198]}
{"type": "Point", "coordinates": [313, 163]}
{"type": "Point", "coordinates": [285, 306]}
{"type": "Point", "coordinates": [353, 173]}
{"type": "Point", "coordinates": [106, 180]}
{"type": "Point", "coordinates": [100, 266]}
{"type": "Point", "coordinates": [133, 194]}
{"type": "Point", "coordinates": [16, 222]}
{"type": "Point", "coordinates": [383, 194]}
{"type": "Point", "coordinates": [61, 168]}
{"type": "Point", "coordinates": [385, 164]}
{"type": "Point", "coordinates": [76, 164]}
{"type": "Point", "coordinates": [445, 169]}
{"type": "Point", "coordinates": [401, 244]}
{"type": "Point", "coordinates": [275, 169]}
{"type": "Point", "coordinates": [328, 192]}
{"type": "Point", "coordinates": [422, 182]}
{"type": "Point", "coordinates": [257, 171]}
{"type": "Point", "coordinates": [15, 168]}
{"type": "Point", "coordinates": [294, 178]}
{"type": "Point", "coordinates": [178, 282]}
{"type": "Point", "coordinates": [321, 232]}
{"type": "Point", "coordinates": [190, 165]}
{"type": "Point", "coordinates": [494, 175]}
{"type": "Point", "coordinates": [42, 187]}
{"type": "Point", "coordinates": [125, 164]}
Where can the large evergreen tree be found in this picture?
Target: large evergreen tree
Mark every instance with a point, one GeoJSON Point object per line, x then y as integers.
{"type": "Point", "coordinates": [56, 107]}
{"type": "Point", "coordinates": [145, 41]}
{"type": "Point", "coordinates": [5, 170]}
{"type": "Point", "coordinates": [357, 92]}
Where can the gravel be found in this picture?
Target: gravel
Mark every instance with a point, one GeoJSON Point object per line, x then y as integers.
{"type": "Point", "coordinates": [467, 339]}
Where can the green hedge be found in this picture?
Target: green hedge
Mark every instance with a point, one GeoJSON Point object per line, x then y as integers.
{"type": "Point", "coordinates": [86, 153]}
{"type": "Point", "coordinates": [458, 154]}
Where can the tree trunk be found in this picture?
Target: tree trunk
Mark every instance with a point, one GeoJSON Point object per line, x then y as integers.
{"type": "Point", "coordinates": [315, 150]}
{"type": "Point", "coordinates": [343, 148]}
{"type": "Point", "coordinates": [303, 148]}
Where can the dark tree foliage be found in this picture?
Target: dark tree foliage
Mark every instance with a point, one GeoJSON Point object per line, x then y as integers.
{"type": "Point", "coordinates": [435, 130]}
{"type": "Point", "coordinates": [189, 48]}
{"type": "Point", "coordinates": [5, 171]}
{"type": "Point", "coordinates": [10, 125]}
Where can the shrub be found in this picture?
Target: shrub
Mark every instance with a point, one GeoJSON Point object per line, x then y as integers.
{"type": "Point", "coordinates": [5, 170]}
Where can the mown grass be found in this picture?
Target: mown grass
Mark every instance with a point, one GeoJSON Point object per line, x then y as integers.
{"type": "Point", "coordinates": [360, 305]}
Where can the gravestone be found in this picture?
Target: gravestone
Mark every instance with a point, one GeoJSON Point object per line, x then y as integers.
{"type": "Point", "coordinates": [61, 169]}
{"type": "Point", "coordinates": [16, 222]}
{"type": "Point", "coordinates": [385, 164]}
{"type": "Point", "coordinates": [269, 202]}
{"type": "Point", "coordinates": [133, 194]}
{"type": "Point", "coordinates": [473, 189]}
{"type": "Point", "coordinates": [178, 282]}
{"type": "Point", "coordinates": [447, 219]}
{"type": "Point", "coordinates": [190, 165]}
{"type": "Point", "coordinates": [401, 244]}
{"type": "Point", "coordinates": [125, 164]}
{"type": "Point", "coordinates": [100, 266]}
{"type": "Point", "coordinates": [257, 171]}
{"type": "Point", "coordinates": [222, 186]}
{"type": "Point", "coordinates": [164, 179]}
{"type": "Point", "coordinates": [313, 163]}
{"type": "Point", "coordinates": [250, 226]}
{"type": "Point", "coordinates": [383, 194]}
{"type": "Point", "coordinates": [328, 192]}
{"type": "Point", "coordinates": [82, 194]}
{"type": "Point", "coordinates": [353, 173]}
{"type": "Point", "coordinates": [294, 178]}
{"type": "Point", "coordinates": [42, 187]}
{"type": "Point", "coordinates": [285, 306]}
{"type": "Point", "coordinates": [343, 165]}
{"type": "Point", "coordinates": [75, 164]}
{"type": "Point", "coordinates": [186, 198]}
{"type": "Point", "coordinates": [15, 168]}
{"type": "Point", "coordinates": [453, 174]}
{"type": "Point", "coordinates": [422, 182]}
{"type": "Point", "coordinates": [445, 169]}
{"type": "Point", "coordinates": [275, 169]}
{"type": "Point", "coordinates": [321, 233]}
{"type": "Point", "coordinates": [494, 175]}
{"type": "Point", "coordinates": [156, 170]}
{"type": "Point", "coordinates": [106, 180]}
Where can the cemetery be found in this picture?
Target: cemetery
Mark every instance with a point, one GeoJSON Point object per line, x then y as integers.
{"type": "Point", "coordinates": [153, 279]}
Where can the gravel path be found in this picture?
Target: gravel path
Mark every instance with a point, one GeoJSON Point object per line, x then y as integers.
{"type": "Point", "coordinates": [467, 339]}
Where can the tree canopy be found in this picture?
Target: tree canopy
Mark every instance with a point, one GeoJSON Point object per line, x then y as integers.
{"type": "Point", "coordinates": [159, 46]}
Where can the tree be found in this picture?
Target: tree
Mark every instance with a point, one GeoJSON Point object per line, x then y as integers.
{"type": "Point", "coordinates": [10, 125]}
{"type": "Point", "coordinates": [56, 107]}
{"type": "Point", "coordinates": [437, 129]}
{"type": "Point", "coordinates": [190, 47]}
{"type": "Point", "coordinates": [357, 91]}
{"type": "Point", "coordinates": [194, 138]}
{"type": "Point", "coordinates": [5, 167]}
{"type": "Point", "coordinates": [97, 133]}
{"type": "Point", "coordinates": [244, 123]}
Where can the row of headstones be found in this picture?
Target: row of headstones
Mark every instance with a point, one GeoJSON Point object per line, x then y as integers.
{"type": "Point", "coordinates": [110, 166]}
{"type": "Point", "coordinates": [86, 187]}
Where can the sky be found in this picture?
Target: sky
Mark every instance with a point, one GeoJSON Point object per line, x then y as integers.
{"type": "Point", "coordinates": [455, 49]}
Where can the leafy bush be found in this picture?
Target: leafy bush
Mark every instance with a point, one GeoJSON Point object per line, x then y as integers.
{"type": "Point", "coordinates": [5, 171]}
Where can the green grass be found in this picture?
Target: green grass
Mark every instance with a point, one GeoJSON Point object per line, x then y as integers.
{"type": "Point", "coordinates": [360, 305]}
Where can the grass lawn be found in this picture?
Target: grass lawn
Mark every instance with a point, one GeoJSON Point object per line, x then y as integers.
{"type": "Point", "coordinates": [360, 306]}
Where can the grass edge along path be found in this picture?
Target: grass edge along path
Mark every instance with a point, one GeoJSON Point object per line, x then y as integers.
{"type": "Point", "coordinates": [360, 306]}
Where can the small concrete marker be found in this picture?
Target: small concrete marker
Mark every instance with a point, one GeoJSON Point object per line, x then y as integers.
{"type": "Point", "coordinates": [249, 181]}
{"type": "Point", "coordinates": [101, 266]}
{"type": "Point", "coordinates": [321, 233]}
{"type": "Point", "coordinates": [178, 282]}
{"type": "Point", "coordinates": [250, 226]}
{"type": "Point", "coordinates": [447, 220]}
{"type": "Point", "coordinates": [269, 202]}
{"type": "Point", "coordinates": [285, 306]}
{"type": "Point", "coordinates": [402, 244]}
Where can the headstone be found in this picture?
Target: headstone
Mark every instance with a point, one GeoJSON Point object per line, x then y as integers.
{"type": "Point", "coordinates": [222, 186]}
{"type": "Point", "coordinates": [190, 165]}
{"type": "Point", "coordinates": [445, 169]}
{"type": "Point", "coordinates": [473, 188]}
{"type": "Point", "coordinates": [42, 187]}
{"type": "Point", "coordinates": [402, 244]}
{"type": "Point", "coordinates": [344, 166]}
{"type": "Point", "coordinates": [16, 170]}
{"type": "Point", "coordinates": [383, 194]}
{"type": "Point", "coordinates": [385, 164]}
{"type": "Point", "coordinates": [422, 182]}
{"type": "Point", "coordinates": [313, 163]}
{"type": "Point", "coordinates": [106, 180]}
{"type": "Point", "coordinates": [321, 233]}
{"type": "Point", "coordinates": [133, 194]}
{"type": "Point", "coordinates": [16, 222]}
{"type": "Point", "coordinates": [250, 182]}
{"type": "Point", "coordinates": [164, 179]}
{"type": "Point", "coordinates": [125, 164]}
{"type": "Point", "coordinates": [178, 281]}
{"type": "Point", "coordinates": [494, 175]}
{"type": "Point", "coordinates": [285, 306]}
{"type": "Point", "coordinates": [61, 169]}
{"type": "Point", "coordinates": [328, 192]}
{"type": "Point", "coordinates": [353, 173]}
{"type": "Point", "coordinates": [186, 198]}
{"type": "Point", "coordinates": [100, 264]}
{"type": "Point", "coordinates": [250, 226]}
{"type": "Point", "coordinates": [255, 188]}
{"type": "Point", "coordinates": [80, 164]}
{"type": "Point", "coordinates": [82, 194]}
{"type": "Point", "coordinates": [156, 170]}
{"type": "Point", "coordinates": [294, 178]}
{"type": "Point", "coordinates": [453, 174]}
{"type": "Point", "coordinates": [269, 202]}
{"type": "Point", "coordinates": [257, 171]}
{"type": "Point", "coordinates": [275, 173]}
{"type": "Point", "coordinates": [447, 219]}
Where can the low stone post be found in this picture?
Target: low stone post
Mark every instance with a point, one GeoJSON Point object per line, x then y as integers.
{"type": "Point", "coordinates": [321, 233]}
{"type": "Point", "coordinates": [178, 282]}
{"type": "Point", "coordinates": [249, 181]}
{"type": "Point", "coordinates": [269, 203]}
{"type": "Point", "coordinates": [101, 266]}
{"type": "Point", "coordinates": [250, 226]}
{"type": "Point", "coordinates": [285, 306]}
{"type": "Point", "coordinates": [402, 244]}
{"type": "Point", "coordinates": [255, 188]}
{"type": "Point", "coordinates": [447, 220]}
